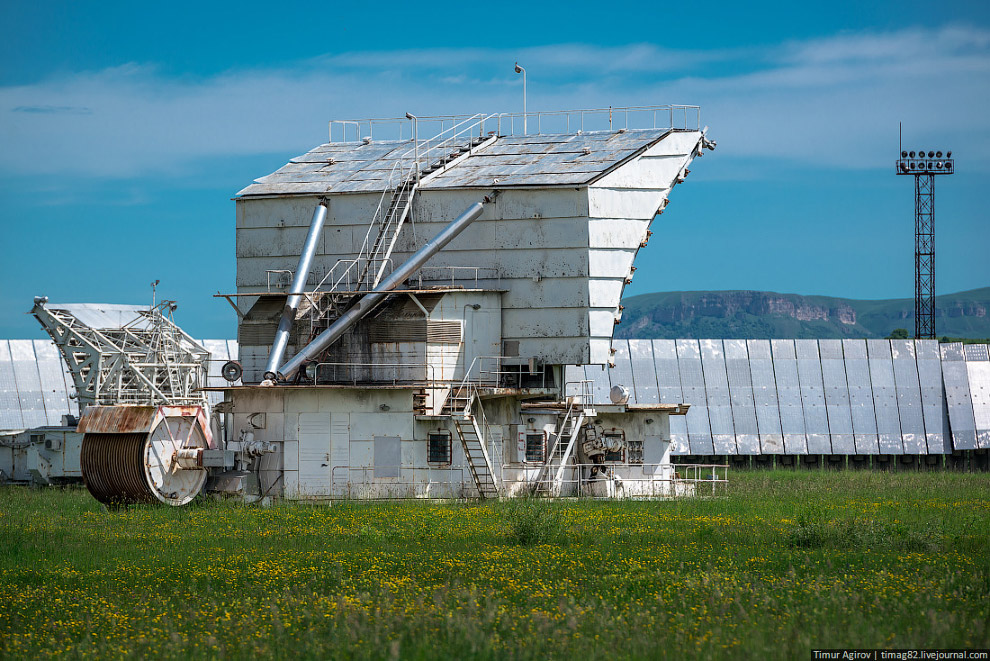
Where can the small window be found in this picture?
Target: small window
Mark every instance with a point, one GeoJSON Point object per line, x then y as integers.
{"type": "Point", "coordinates": [438, 448]}
{"type": "Point", "coordinates": [536, 447]}
{"type": "Point", "coordinates": [635, 451]}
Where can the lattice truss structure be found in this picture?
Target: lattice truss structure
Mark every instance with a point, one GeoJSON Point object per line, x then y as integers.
{"type": "Point", "coordinates": [123, 354]}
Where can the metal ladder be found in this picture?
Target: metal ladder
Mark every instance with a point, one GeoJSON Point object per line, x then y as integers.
{"type": "Point", "coordinates": [388, 232]}
{"type": "Point", "coordinates": [471, 428]}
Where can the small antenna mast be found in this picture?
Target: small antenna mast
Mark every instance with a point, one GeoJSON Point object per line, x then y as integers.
{"type": "Point", "coordinates": [154, 286]}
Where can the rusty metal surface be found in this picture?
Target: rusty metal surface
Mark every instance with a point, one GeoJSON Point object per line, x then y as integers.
{"type": "Point", "coordinates": [118, 419]}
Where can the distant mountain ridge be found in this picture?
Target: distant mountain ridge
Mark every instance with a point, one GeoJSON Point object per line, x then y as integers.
{"type": "Point", "coordinates": [761, 314]}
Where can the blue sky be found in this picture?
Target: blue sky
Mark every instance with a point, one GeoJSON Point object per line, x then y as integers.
{"type": "Point", "coordinates": [127, 127]}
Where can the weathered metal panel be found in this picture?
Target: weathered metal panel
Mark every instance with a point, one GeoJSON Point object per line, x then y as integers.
{"type": "Point", "coordinates": [315, 465]}
{"type": "Point", "coordinates": [599, 377]}
{"type": "Point", "coordinates": [10, 405]}
{"type": "Point", "coordinates": [105, 315]}
{"type": "Point", "coordinates": [644, 371]}
{"type": "Point", "coordinates": [513, 160]}
{"type": "Point", "coordinates": [813, 396]}
{"type": "Point", "coordinates": [961, 416]}
{"type": "Point", "coordinates": [54, 381]}
{"type": "Point", "coordinates": [864, 417]}
{"type": "Point", "coordinates": [837, 397]}
{"type": "Point", "coordinates": [789, 397]}
{"type": "Point", "coordinates": [693, 390]}
{"type": "Point", "coordinates": [669, 384]}
{"type": "Point", "coordinates": [621, 374]}
{"type": "Point", "coordinates": [218, 356]}
{"type": "Point", "coordinates": [28, 381]}
{"type": "Point", "coordinates": [908, 389]}
{"type": "Point", "coordinates": [717, 396]}
{"type": "Point", "coordinates": [884, 396]}
{"type": "Point", "coordinates": [117, 419]}
{"type": "Point", "coordinates": [740, 380]}
{"type": "Point", "coordinates": [978, 369]}
{"type": "Point", "coordinates": [936, 415]}
{"type": "Point", "coordinates": [765, 397]}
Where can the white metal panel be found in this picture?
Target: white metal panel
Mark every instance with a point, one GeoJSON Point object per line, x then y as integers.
{"type": "Point", "coordinates": [603, 293]}
{"type": "Point", "coordinates": [789, 396]}
{"type": "Point", "coordinates": [105, 315]}
{"type": "Point", "coordinates": [10, 405]}
{"type": "Point", "coordinates": [616, 232]}
{"type": "Point", "coordinates": [861, 397]}
{"type": "Point", "coordinates": [737, 370]}
{"type": "Point", "coordinates": [340, 447]}
{"type": "Point", "coordinates": [669, 384]}
{"type": "Point", "coordinates": [978, 370]}
{"type": "Point", "coordinates": [314, 454]}
{"type": "Point", "coordinates": [693, 390]}
{"type": "Point", "coordinates": [717, 396]}
{"type": "Point", "coordinates": [621, 374]}
{"type": "Point", "coordinates": [611, 262]}
{"type": "Point", "coordinates": [624, 202]}
{"type": "Point", "coordinates": [908, 389]}
{"type": "Point", "coordinates": [813, 396]}
{"type": "Point", "coordinates": [936, 414]}
{"type": "Point", "coordinates": [218, 356]}
{"type": "Point", "coordinates": [598, 375]}
{"type": "Point", "coordinates": [765, 397]}
{"type": "Point", "coordinates": [28, 381]}
{"type": "Point", "coordinates": [837, 397]}
{"type": "Point", "coordinates": [884, 396]}
{"type": "Point", "coordinates": [388, 456]}
{"type": "Point", "coordinates": [644, 371]}
{"type": "Point", "coordinates": [54, 387]}
{"type": "Point", "coordinates": [960, 403]}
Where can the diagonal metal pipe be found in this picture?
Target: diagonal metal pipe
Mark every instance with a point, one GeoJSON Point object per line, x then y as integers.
{"type": "Point", "coordinates": [375, 296]}
{"type": "Point", "coordinates": [298, 283]}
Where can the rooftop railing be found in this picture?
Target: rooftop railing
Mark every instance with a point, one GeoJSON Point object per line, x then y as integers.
{"type": "Point", "coordinates": [536, 123]}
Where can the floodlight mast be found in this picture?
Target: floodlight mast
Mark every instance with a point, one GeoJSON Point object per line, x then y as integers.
{"type": "Point", "coordinates": [924, 165]}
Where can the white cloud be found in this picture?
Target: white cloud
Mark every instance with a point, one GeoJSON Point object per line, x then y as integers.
{"type": "Point", "coordinates": [833, 101]}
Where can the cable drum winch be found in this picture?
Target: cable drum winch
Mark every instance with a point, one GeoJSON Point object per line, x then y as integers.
{"type": "Point", "coordinates": [144, 454]}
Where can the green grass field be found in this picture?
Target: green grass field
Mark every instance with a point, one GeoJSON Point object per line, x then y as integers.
{"type": "Point", "coordinates": [785, 562]}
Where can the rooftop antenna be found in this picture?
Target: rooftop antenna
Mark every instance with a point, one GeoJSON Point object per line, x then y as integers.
{"type": "Point", "coordinates": [924, 166]}
{"type": "Point", "coordinates": [154, 286]}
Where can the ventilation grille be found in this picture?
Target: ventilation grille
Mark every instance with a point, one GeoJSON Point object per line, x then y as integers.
{"type": "Point", "coordinates": [416, 330]}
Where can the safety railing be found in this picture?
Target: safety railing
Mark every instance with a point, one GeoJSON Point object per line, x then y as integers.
{"type": "Point", "coordinates": [459, 135]}
{"type": "Point", "coordinates": [641, 480]}
{"type": "Point", "coordinates": [665, 116]}
{"type": "Point", "coordinates": [600, 119]}
{"type": "Point", "coordinates": [502, 371]}
{"type": "Point", "coordinates": [345, 273]}
{"type": "Point", "coordinates": [283, 278]}
{"type": "Point", "coordinates": [407, 482]}
{"type": "Point", "coordinates": [434, 276]}
{"type": "Point", "coordinates": [589, 481]}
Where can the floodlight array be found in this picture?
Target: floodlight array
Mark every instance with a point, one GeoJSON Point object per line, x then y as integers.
{"type": "Point", "coordinates": [925, 162]}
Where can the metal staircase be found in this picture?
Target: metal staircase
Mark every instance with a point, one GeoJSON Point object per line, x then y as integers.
{"type": "Point", "coordinates": [568, 429]}
{"type": "Point", "coordinates": [472, 430]}
{"type": "Point", "coordinates": [388, 233]}
{"type": "Point", "coordinates": [577, 417]}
